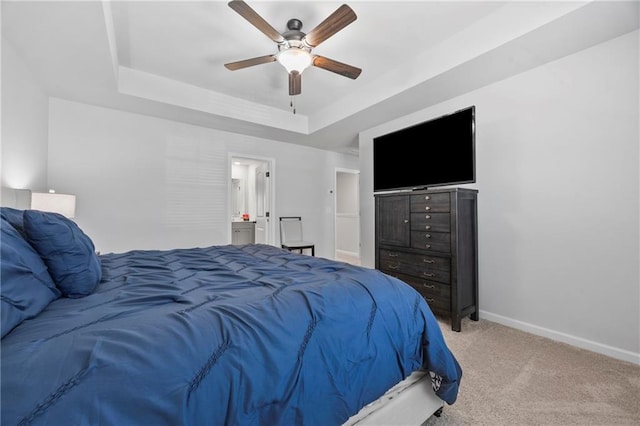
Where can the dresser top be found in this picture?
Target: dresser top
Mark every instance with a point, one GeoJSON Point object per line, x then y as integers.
{"type": "Point", "coordinates": [428, 191]}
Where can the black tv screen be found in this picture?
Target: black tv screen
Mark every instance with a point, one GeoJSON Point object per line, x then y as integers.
{"type": "Point", "coordinates": [437, 152]}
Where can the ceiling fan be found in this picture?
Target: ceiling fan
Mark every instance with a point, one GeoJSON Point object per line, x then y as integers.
{"type": "Point", "coordinates": [294, 46]}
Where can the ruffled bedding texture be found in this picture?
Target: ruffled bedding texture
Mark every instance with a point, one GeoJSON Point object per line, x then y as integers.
{"type": "Point", "coordinates": [235, 335]}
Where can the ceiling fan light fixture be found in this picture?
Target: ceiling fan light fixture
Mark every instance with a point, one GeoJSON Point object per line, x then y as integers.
{"type": "Point", "coordinates": [294, 46]}
{"type": "Point", "coordinates": [295, 59]}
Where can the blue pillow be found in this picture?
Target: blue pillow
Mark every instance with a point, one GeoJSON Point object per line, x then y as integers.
{"type": "Point", "coordinates": [25, 285]}
{"type": "Point", "coordinates": [14, 217]}
{"type": "Point", "coordinates": [67, 251]}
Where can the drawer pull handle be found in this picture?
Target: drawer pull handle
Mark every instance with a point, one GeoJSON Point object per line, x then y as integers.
{"type": "Point", "coordinates": [394, 267]}
{"type": "Point", "coordinates": [427, 197]}
{"type": "Point", "coordinates": [429, 286]}
{"type": "Point", "coordinates": [429, 300]}
{"type": "Point", "coordinates": [427, 235]}
{"type": "Point", "coordinates": [427, 216]}
{"type": "Point", "coordinates": [405, 221]}
{"type": "Point", "coordinates": [392, 254]}
{"type": "Point", "coordinates": [428, 227]}
{"type": "Point", "coordinates": [429, 274]}
{"type": "Point", "coordinates": [428, 261]}
{"type": "Point", "coordinates": [427, 208]}
{"type": "Point", "coordinates": [427, 246]}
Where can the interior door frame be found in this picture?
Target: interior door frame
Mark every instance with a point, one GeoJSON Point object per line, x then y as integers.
{"type": "Point", "coordinates": [271, 162]}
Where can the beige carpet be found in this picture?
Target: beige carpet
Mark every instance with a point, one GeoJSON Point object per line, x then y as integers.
{"type": "Point", "coordinates": [514, 378]}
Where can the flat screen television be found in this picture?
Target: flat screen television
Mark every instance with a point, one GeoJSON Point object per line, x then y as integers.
{"type": "Point", "coordinates": [437, 152]}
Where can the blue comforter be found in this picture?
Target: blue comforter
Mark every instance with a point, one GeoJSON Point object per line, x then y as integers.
{"type": "Point", "coordinates": [236, 335]}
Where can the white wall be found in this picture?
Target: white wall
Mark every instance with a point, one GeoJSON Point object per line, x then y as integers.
{"type": "Point", "coordinates": [24, 125]}
{"type": "Point", "coordinates": [558, 180]}
{"type": "Point", "coordinates": [148, 183]}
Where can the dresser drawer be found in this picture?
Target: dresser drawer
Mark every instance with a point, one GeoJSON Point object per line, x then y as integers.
{"type": "Point", "coordinates": [397, 256]}
{"type": "Point", "coordinates": [430, 203]}
{"type": "Point", "coordinates": [431, 262]}
{"type": "Point", "coordinates": [439, 222]}
{"type": "Point", "coordinates": [438, 296]}
{"type": "Point", "coordinates": [416, 265]}
{"type": "Point", "coordinates": [415, 270]}
{"type": "Point", "coordinates": [431, 241]}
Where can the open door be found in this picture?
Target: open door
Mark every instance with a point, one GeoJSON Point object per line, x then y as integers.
{"type": "Point", "coordinates": [263, 201]}
{"type": "Point", "coordinates": [347, 216]}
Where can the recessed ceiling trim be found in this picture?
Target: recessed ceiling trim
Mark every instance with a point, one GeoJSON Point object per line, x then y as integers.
{"type": "Point", "coordinates": [161, 89]}
{"type": "Point", "coordinates": [111, 36]}
{"type": "Point", "coordinates": [491, 32]}
{"type": "Point", "coordinates": [75, 52]}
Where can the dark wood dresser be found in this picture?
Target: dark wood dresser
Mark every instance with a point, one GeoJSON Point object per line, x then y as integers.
{"type": "Point", "coordinates": [429, 239]}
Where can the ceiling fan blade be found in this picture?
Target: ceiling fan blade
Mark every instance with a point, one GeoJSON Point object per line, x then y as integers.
{"type": "Point", "coordinates": [339, 19]}
{"type": "Point", "coordinates": [337, 67]}
{"type": "Point", "coordinates": [295, 83]}
{"type": "Point", "coordinates": [250, 62]}
{"type": "Point", "coordinates": [256, 20]}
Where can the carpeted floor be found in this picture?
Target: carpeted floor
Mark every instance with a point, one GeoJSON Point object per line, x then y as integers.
{"type": "Point", "coordinates": [514, 378]}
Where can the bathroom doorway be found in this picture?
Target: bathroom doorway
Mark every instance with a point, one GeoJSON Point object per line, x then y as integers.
{"type": "Point", "coordinates": [251, 194]}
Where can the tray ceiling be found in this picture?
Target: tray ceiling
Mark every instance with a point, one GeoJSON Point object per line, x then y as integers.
{"type": "Point", "coordinates": [166, 58]}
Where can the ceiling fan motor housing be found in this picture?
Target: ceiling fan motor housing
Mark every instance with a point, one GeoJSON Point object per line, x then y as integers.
{"type": "Point", "coordinates": [294, 37]}
{"type": "Point", "coordinates": [294, 24]}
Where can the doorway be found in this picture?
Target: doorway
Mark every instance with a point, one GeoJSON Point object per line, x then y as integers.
{"type": "Point", "coordinates": [347, 216]}
{"type": "Point", "coordinates": [251, 195]}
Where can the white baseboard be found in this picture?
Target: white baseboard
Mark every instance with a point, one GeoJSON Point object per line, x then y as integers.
{"type": "Point", "coordinates": [348, 256]}
{"type": "Point", "coordinates": [347, 253]}
{"type": "Point", "coordinates": [579, 342]}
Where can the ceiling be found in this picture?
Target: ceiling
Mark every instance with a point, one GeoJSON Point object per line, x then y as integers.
{"type": "Point", "coordinates": [165, 58]}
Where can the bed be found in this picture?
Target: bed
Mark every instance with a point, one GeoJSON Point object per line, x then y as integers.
{"type": "Point", "coordinates": [235, 335]}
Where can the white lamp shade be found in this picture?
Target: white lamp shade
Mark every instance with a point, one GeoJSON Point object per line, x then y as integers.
{"type": "Point", "coordinates": [295, 59]}
{"type": "Point", "coordinates": [64, 204]}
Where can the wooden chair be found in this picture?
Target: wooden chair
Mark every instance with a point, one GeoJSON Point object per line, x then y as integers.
{"type": "Point", "coordinates": [291, 235]}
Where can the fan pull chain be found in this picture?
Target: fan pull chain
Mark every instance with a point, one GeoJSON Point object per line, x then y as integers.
{"type": "Point", "coordinates": [292, 104]}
